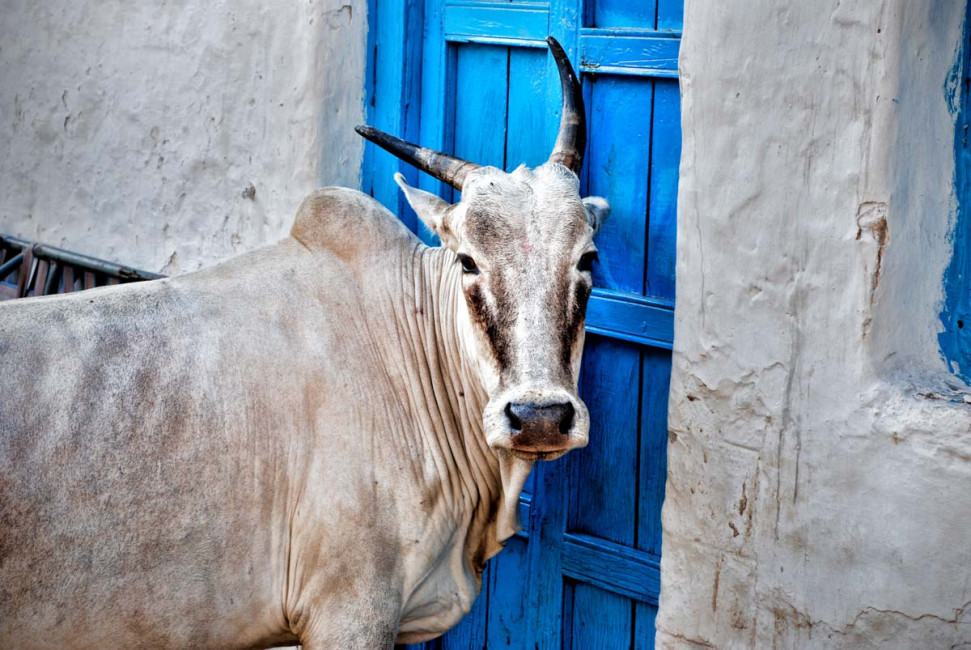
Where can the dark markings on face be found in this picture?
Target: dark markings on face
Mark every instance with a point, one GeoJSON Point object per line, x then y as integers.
{"type": "Point", "coordinates": [488, 232]}
{"type": "Point", "coordinates": [496, 321]}
{"type": "Point", "coordinates": [573, 319]}
{"type": "Point", "coordinates": [498, 236]}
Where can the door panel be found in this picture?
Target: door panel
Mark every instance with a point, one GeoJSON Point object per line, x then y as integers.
{"type": "Point", "coordinates": [618, 155]}
{"type": "Point", "coordinates": [585, 571]}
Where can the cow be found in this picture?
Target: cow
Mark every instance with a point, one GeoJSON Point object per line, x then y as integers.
{"type": "Point", "coordinates": [319, 442]}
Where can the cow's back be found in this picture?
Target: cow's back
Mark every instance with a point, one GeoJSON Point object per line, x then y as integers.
{"type": "Point", "coordinates": [143, 434]}
{"type": "Point", "coordinates": [149, 436]}
{"type": "Point", "coordinates": [125, 490]}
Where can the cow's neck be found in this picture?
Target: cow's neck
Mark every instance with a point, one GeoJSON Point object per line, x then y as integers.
{"type": "Point", "coordinates": [477, 481]}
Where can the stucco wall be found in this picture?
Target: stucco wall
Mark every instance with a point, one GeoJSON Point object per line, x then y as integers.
{"type": "Point", "coordinates": [819, 471]}
{"type": "Point", "coordinates": [169, 135]}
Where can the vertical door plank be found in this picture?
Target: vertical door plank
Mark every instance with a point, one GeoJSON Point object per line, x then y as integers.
{"type": "Point", "coordinates": [437, 101]}
{"type": "Point", "coordinates": [652, 473]}
{"type": "Point", "coordinates": [617, 157]}
{"type": "Point", "coordinates": [544, 568]}
{"type": "Point", "coordinates": [527, 137]}
{"type": "Point", "coordinates": [604, 482]}
{"type": "Point", "coordinates": [645, 616]}
{"type": "Point", "coordinates": [663, 209]}
{"type": "Point", "coordinates": [670, 14]}
{"type": "Point", "coordinates": [624, 13]}
{"type": "Point", "coordinates": [604, 473]}
{"type": "Point", "coordinates": [600, 619]}
{"type": "Point", "coordinates": [652, 468]}
{"type": "Point", "coordinates": [507, 596]}
{"type": "Point", "coordinates": [394, 66]}
{"type": "Point", "coordinates": [481, 85]}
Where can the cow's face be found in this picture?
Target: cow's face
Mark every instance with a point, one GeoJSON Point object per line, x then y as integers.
{"type": "Point", "coordinates": [523, 247]}
{"type": "Point", "coordinates": [524, 244]}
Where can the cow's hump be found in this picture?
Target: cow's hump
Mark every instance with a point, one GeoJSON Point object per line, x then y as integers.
{"type": "Point", "coordinates": [348, 223]}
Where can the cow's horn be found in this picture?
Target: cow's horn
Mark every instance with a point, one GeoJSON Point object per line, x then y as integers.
{"type": "Point", "coordinates": [572, 138]}
{"type": "Point", "coordinates": [442, 166]}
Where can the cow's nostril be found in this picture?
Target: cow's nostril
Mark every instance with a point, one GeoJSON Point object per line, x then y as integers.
{"type": "Point", "coordinates": [514, 421]}
{"type": "Point", "coordinates": [528, 416]}
{"type": "Point", "coordinates": [566, 420]}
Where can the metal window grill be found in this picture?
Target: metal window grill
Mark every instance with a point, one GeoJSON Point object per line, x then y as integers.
{"type": "Point", "coordinates": [31, 269]}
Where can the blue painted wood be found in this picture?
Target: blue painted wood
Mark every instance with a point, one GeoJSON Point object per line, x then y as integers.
{"type": "Point", "coordinates": [645, 616]}
{"type": "Point", "coordinates": [508, 595]}
{"type": "Point", "coordinates": [613, 567]}
{"type": "Point", "coordinates": [600, 618]}
{"type": "Point", "coordinates": [395, 80]}
{"type": "Point", "coordinates": [521, 24]}
{"type": "Point", "coordinates": [605, 471]}
{"type": "Point", "coordinates": [617, 160]}
{"type": "Point", "coordinates": [480, 83]}
{"type": "Point", "coordinates": [662, 209]}
{"type": "Point", "coordinates": [480, 103]}
{"type": "Point", "coordinates": [605, 478]}
{"type": "Point", "coordinates": [629, 317]}
{"type": "Point", "coordinates": [653, 446]}
{"type": "Point", "coordinates": [670, 14]}
{"type": "Point", "coordinates": [623, 13]}
{"type": "Point", "coordinates": [622, 52]}
{"type": "Point", "coordinates": [528, 142]}
{"type": "Point", "coordinates": [437, 123]}
{"type": "Point", "coordinates": [651, 473]}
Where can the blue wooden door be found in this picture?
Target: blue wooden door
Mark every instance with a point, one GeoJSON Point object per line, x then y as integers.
{"type": "Point", "coordinates": [475, 78]}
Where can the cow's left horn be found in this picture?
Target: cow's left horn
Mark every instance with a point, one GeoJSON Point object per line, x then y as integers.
{"type": "Point", "coordinates": [442, 166]}
{"type": "Point", "coordinates": [572, 138]}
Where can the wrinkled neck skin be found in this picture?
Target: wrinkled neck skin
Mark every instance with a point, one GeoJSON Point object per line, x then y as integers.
{"type": "Point", "coordinates": [469, 493]}
{"type": "Point", "coordinates": [487, 483]}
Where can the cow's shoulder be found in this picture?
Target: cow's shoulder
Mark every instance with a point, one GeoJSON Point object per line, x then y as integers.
{"type": "Point", "coordinates": [349, 224]}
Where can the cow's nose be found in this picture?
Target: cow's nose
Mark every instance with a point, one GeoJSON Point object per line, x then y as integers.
{"type": "Point", "coordinates": [527, 416]}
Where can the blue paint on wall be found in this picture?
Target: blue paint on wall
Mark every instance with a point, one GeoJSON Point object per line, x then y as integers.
{"type": "Point", "coordinates": [955, 340]}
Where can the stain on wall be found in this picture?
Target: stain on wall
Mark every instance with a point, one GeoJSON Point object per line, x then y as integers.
{"type": "Point", "coordinates": [170, 135]}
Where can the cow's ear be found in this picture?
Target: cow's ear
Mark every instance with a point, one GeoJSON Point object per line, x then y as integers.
{"type": "Point", "coordinates": [430, 208]}
{"type": "Point", "coordinates": [597, 211]}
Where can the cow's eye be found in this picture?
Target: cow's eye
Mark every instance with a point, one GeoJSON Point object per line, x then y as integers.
{"type": "Point", "coordinates": [585, 265]}
{"type": "Point", "coordinates": [468, 264]}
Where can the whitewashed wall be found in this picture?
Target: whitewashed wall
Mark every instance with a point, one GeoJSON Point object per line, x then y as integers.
{"type": "Point", "coordinates": [169, 135]}
{"type": "Point", "coordinates": [819, 482]}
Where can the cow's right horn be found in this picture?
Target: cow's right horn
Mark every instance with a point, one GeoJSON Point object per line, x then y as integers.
{"type": "Point", "coordinates": [442, 166]}
{"type": "Point", "coordinates": [572, 138]}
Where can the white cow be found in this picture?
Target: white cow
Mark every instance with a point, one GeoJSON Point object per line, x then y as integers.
{"type": "Point", "coordinates": [321, 442]}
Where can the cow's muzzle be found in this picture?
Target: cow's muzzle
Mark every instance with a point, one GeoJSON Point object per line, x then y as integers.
{"type": "Point", "coordinates": [539, 426]}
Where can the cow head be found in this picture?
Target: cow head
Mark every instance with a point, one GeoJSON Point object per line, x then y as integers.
{"type": "Point", "coordinates": [524, 244]}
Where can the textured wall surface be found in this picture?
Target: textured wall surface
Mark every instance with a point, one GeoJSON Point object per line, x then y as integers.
{"type": "Point", "coordinates": [820, 454]}
{"type": "Point", "coordinates": [169, 135]}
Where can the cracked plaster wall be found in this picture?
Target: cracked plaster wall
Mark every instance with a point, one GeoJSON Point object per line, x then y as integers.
{"type": "Point", "coordinates": [170, 135]}
{"type": "Point", "coordinates": [820, 455]}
